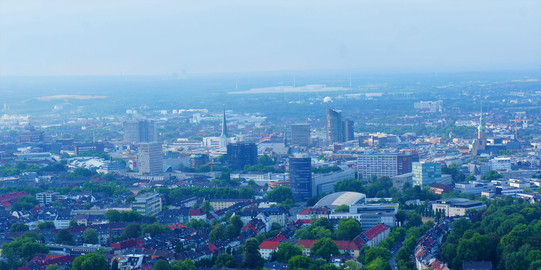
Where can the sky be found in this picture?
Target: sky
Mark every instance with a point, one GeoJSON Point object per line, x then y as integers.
{"type": "Point", "coordinates": [155, 37]}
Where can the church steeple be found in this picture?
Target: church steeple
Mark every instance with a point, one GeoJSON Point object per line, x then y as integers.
{"type": "Point", "coordinates": [481, 135]}
{"type": "Point", "coordinates": [224, 126]}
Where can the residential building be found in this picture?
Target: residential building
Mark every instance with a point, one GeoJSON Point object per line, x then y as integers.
{"type": "Point", "coordinates": [47, 197]}
{"type": "Point", "coordinates": [150, 158]}
{"type": "Point", "coordinates": [425, 173]}
{"type": "Point", "coordinates": [300, 177]}
{"type": "Point", "coordinates": [147, 204]}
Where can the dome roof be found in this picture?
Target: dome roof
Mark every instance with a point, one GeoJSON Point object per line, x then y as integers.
{"type": "Point", "coordinates": [338, 198]}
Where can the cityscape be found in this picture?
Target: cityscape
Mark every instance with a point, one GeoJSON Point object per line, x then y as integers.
{"type": "Point", "coordinates": [331, 167]}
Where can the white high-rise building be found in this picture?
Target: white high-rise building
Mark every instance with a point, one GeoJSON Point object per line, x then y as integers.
{"type": "Point", "coordinates": [150, 158]}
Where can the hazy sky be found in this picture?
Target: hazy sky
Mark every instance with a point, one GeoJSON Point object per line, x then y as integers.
{"type": "Point", "coordinates": [110, 37]}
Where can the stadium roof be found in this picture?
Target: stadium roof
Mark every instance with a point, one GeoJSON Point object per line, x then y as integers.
{"type": "Point", "coordinates": [338, 198]}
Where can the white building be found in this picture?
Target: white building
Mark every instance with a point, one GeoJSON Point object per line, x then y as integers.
{"type": "Point", "coordinates": [150, 158]}
{"type": "Point", "coordinates": [500, 164]}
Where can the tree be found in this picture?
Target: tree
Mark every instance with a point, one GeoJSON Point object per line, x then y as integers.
{"type": "Point", "coordinates": [131, 231]}
{"type": "Point", "coordinates": [90, 261]}
{"type": "Point", "coordinates": [250, 254]}
{"type": "Point", "coordinates": [46, 225]}
{"type": "Point", "coordinates": [325, 248]}
{"type": "Point", "coordinates": [299, 262]}
{"type": "Point", "coordinates": [378, 264]}
{"type": "Point", "coordinates": [154, 229]}
{"type": "Point", "coordinates": [90, 236]}
{"type": "Point", "coordinates": [323, 222]}
{"type": "Point", "coordinates": [225, 261]}
{"type": "Point", "coordinates": [206, 207]}
{"type": "Point", "coordinates": [64, 237]}
{"type": "Point", "coordinates": [18, 227]}
{"type": "Point", "coordinates": [183, 265]}
{"type": "Point", "coordinates": [112, 216]}
{"type": "Point", "coordinates": [73, 223]}
{"type": "Point", "coordinates": [349, 184]}
{"type": "Point", "coordinates": [491, 175]}
{"type": "Point", "coordinates": [52, 267]}
{"type": "Point", "coordinates": [161, 265]}
{"type": "Point", "coordinates": [218, 233]}
{"type": "Point", "coordinates": [286, 251]}
{"type": "Point", "coordinates": [22, 250]}
{"type": "Point", "coordinates": [342, 209]}
{"type": "Point", "coordinates": [347, 229]}
{"type": "Point", "coordinates": [282, 195]}
{"type": "Point", "coordinates": [26, 202]}
{"type": "Point", "coordinates": [376, 252]}
{"type": "Point", "coordinates": [232, 230]}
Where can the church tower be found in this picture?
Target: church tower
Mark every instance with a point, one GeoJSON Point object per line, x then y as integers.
{"type": "Point", "coordinates": [481, 135]}
{"type": "Point", "coordinates": [223, 136]}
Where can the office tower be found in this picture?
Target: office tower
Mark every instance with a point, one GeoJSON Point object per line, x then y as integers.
{"type": "Point", "coordinates": [150, 158]}
{"type": "Point", "coordinates": [241, 154]}
{"type": "Point", "coordinates": [139, 131]}
{"type": "Point", "coordinates": [385, 164]}
{"type": "Point", "coordinates": [334, 126]}
{"type": "Point", "coordinates": [425, 173]}
{"type": "Point", "coordinates": [347, 130]}
{"type": "Point", "coordinates": [300, 135]}
{"type": "Point", "coordinates": [300, 177]}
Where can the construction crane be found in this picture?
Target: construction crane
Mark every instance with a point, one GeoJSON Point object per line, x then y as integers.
{"type": "Point", "coordinates": [516, 120]}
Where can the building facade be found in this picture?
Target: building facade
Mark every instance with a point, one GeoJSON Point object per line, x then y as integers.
{"type": "Point", "coordinates": [241, 154]}
{"type": "Point", "coordinates": [300, 177]}
{"type": "Point", "coordinates": [150, 158]}
{"type": "Point", "coordinates": [425, 173]}
{"type": "Point", "coordinates": [147, 204]}
{"type": "Point", "coordinates": [136, 131]}
{"type": "Point", "coordinates": [300, 135]}
{"type": "Point", "coordinates": [385, 164]}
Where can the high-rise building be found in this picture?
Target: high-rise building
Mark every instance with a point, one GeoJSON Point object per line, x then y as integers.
{"type": "Point", "coordinates": [426, 173]}
{"type": "Point", "coordinates": [150, 158]}
{"type": "Point", "coordinates": [136, 131]}
{"type": "Point", "coordinates": [334, 125]}
{"type": "Point", "coordinates": [241, 154]}
{"type": "Point", "coordinates": [385, 164]}
{"type": "Point", "coordinates": [300, 177]}
{"type": "Point", "coordinates": [347, 130]}
{"type": "Point", "coordinates": [300, 134]}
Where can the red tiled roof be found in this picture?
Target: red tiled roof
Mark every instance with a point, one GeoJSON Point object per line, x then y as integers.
{"type": "Point", "coordinates": [176, 226]}
{"type": "Point", "coordinates": [375, 231]}
{"type": "Point", "coordinates": [269, 245]}
{"type": "Point", "coordinates": [305, 211]}
{"type": "Point", "coordinates": [213, 248]}
{"type": "Point", "coordinates": [306, 243]}
{"type": "Point", "coordinates": [342, 245]}
{"type": "Point", "coordinates": [279, 238]}
{"type": "Point", "coordinates": [196, 212]}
